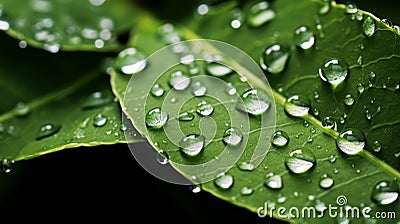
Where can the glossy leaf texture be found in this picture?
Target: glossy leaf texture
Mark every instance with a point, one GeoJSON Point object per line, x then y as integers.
{"type": "Point", "coordinates": [54, 101]}
{"type": "Point", "coordinates": [344, 62]}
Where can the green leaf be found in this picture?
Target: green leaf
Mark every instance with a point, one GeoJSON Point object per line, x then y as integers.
{"type": "Point", "coordinates": [338, 35]}
{"type": "Point", "coordinates": [65, 90]}
{"type": "Point", "coordinates": [67, 25]}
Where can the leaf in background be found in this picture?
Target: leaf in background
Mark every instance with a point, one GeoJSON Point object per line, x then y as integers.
{"type": "Point", "coordinates": [361, 56]}
{"type": "Point", "coordinates": [54, 101]}
{"type": "Point", "coordinates": [69, 25]}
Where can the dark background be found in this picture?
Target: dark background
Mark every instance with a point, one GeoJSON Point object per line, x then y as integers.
{"type": "Point", "coordinates": [106, 182]}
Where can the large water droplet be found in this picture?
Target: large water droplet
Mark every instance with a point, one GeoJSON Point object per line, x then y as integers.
{"type": "Point", "coordinates": [334, 71]}
{"type": "Point", "coordinates": [260, 14]}
{"type": "Point", "coordinates": [179, 81]}
{"type": "Point", "coordinates": [369, 26]}
{"type": "Point", "coordinates": [328, 122]}
{"type": "Point", "coordinates": [297, 105]}
{"type": "Point", "coordinates": [198, 89]}
{"type": "Point", "coordinates": [304, 37]}
{"type": "Point", "coordinates": [21, 109]}
{"type": "Point", "coordinates": [274, 182]}
{"type": "Point", "coordinates": [326, 181]}
{"type": "Point", "coordinates": [217, 69]}
{"type": "Point", "coordinates": [280, 138]}
{"type": "Point", "coordinates": [192, 145]}
{"type": "Point", "coordinates": [130, 61]}
{"type": "Point", "coordinates": [385, 192]}
{"type": "Point", "coordinates": [96, 99]}
{"type": "Point", "coordinates": [47, 130]}
{"type": "Point", "coordinates": [255, 102]}
{"type": "Point", "coordinates": [376, 146]}
{"type": "Point", "coordinates": [6, 165]}
{"type": "Point", "coordinates": [300, 160]}
{"type": "Point", "coordinates": [224, 181]}
{"type": "Point", "coordinates": [274, 58]}
{"type": "Point", "coordinates": [246, 191]}
{"type": "Point", "coordinates": [351, 141]}
{"type": "Point", "coordinates": [156, 90]}
{"type": "Point", "coordinates": [156, 118]}
{"type": "Point", "coordinates": [204, 108]}
{"type": "Point", "coordinates": [186, 116]}
{"type": "Point", "coordinates": [233, 136]}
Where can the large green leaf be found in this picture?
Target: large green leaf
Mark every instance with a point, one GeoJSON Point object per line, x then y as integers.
{"type": "Point", "coordinates": [70, 25]}
{"type": "Point", "coordinates": [339, 34]}
{"type": "Point", "coordinates": [66, 90]}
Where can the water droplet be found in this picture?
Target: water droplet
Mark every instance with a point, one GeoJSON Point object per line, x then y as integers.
{"type": "Point", "coordinates": [335, 171]}
{"type": "Point", "coordinates": [6, 165]}
{"type": "Point", "coordinates": [179, 81]}
{"type": "Point", "coordinates": [396, 28]}
{"type": "Point", "coordinates": [192, 145]}
{"type": "Point", "coordinates": [204, 108]}
{"type": "Point", "coordinates": [306, 124]}
{"type": "Point", "coordinates": [4, 25]}
{"type": "Point", "coordinates": [326, 181]}
{"type": "Point", "coordinates": [230, 90]}
{"type": "Point", "coordinates": [195, 189]}
{"type": "Point", "coordinates": [274, 58]}
{"type": "Point", "coordinates": [246, 166]}
{"type": "Point", "coordinates": [233, 136]}
{"type": "Point", "coordinates": [359, 60]}
{"type": "Point", "coordinates": [280, 138]}
{"type": "Point", "coordinates": [351, 141]}
{"type": "Point", "coordinates": [304, 37]}
{"type": "Point", "coordinates": [187, 59]}
{"type": "Point", "coordinates": [238, 18]}
{"type": "Point", "coordinates": [224, 181]}
{"type": "Point", "coordinates": [157, 90]}
{"type": "Point", "coordinates": [260, 14]}
{"type": "Point", "coordinates": [156, 118]}
{"type": "Point", "coordinates": [22, 44]}
{"type": "Point", "coordinates": [368, 114]}
{"type": "Point", "coordinates": [300, 160]}
{"type": "Point", "coordinates": [21, 109]}
{"type": "Point", "coordinates": [334, 71]}
{"type": "Point", "coordinates": [332, 158]}
{"type": "Point", "coordinates": [351, 8]}
{"type": "Point", "coordinates": [325, 7]}
{"type": "Point", "coordinates": [348, 100]}
{"type": "Point", "coordinates": [369, 26]}
{"type": "Point", "coordinates": [95, 100]}
{"type": "Point", "coordinates": [162, 157]}
{"type": "Point", "coordinates": [281, 199]}
{"type": "Point", "coordinates": [130, 61]}
{"type": "Point", "coordinates": [99, 120]}
{"type": "Point", "coordinates": [387, 22]}
{"type": "Point", "coordinates": [198, 89]}
{"type": "Point", "coordinates": [202, 9]}
{"type": "Point", "coordinates": [246, 191]}
{"type": "Point", "coordinates": [255, 102]}
{"type": "Point", "coordinates": [217, 69]}
{"type": "Point", "coordinates": [47, 130]}
{"type": "Point", "coordinates": [385, 193]}
{"type": "Point", "coordinates": [316, 95]}
{"type": "Point", "coordinates": [274, 182]}
{"type": "Point", "coordinates": [359, 16]}
{"type": "Point", "coordinates": [376, 146]}
{"type": "Point", "coordinates": [186, 116]}
{"type": "Point", "coordinates": [297, 105]}
{"type": "Point", "coordinates": [360, 87]}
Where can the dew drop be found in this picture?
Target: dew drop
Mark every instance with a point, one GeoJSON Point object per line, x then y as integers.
{"type": "Point", "coordinates": [187, 59]}
{"type": "Point", "coordinates": [368, 114]}
{"type": "Point", "coordinates": [360, 87]}
{"type": "Point", "coordinates": [162, 157]}
{"type": "Point", "coordinates": [47, 130]}
{"type": "Point", "coordinates": [21, 109]}
{"type": "Point", "coordinates": [95, 100]}
{"type": "Point", "coordinates": [130, 61]}
{"type": "Point", "coordinates": [4, 25]}
{"type": "Point", "coordinates": [255, 102]}
{"type": "Point", "coordinates": [334, 71]}
{"type": "Point", "coordinates": [351, 141]}
{"type": "Point", "coordinates": [198, 89]}
{"type": "Point", "coordinates": [297, 105]}
{"type": "Point", "coordinates": [156, 90]}
{"type": "Point", "coordinates": [376, 146]}
{"type": "Point", "coordinates": [351, 8]}
{"type": "Point", "coordinates": [22, 44]}
{"type": "Point", "coordinates": [326, 181]}
{"type": "Point", "coordinates": [202, 9]}
{"type": "Point", "coordinates": [274, 182]}
{"type": "Point", "coordinates": [332, 158]}
{"type": "Point", "coordinates": [348, 100]}
{"type": "Point", "coordinates": [304, 37]}
{"type": "Point", "coordinates": [300, 161]}
{"type": "Point", "coordinates": [245, 191]}
{"type": "Point", "coordinates": [280, 138]}
{"type": "Point", "coordinates": [387, 22]}
{"type": "Point", "coordinates": [246, 166]}
{"type": "Point", "coordinates": [217, 69]}
{"type": "Point", "coordinates": [260, 14]}
{"type": "Point", "coordinates": [230, 90]}
{"type": "Point", "coordinates": [204, 108]}
{"type": "Point", "coordinates": [385, 193]}
{"type": "Point", "coordinates": [359, 60]}
{"type": "Point", "coordinates": [6, 165]}
{"type": "Point", "coordinates": [325, 7]}
{"type": "Point", "coordinates": [99, 120]}
{"type": "Point", "coordinates": [281, 199]}
{"type": "Point", "coordinates": [274, 58]}
{"type": "Point", "coordinates": [192, 145]}
{"type": "Point", "coordinates": [185, 116]}
{"type": "Point", "coordinates": [195, 189]}
{"type": "Point", "coordinates": [369, 26]}
{"type": "Point", "coordinates": [179, 81]}
{"type": "Point", "coordinates": [224, 181]}
{"type": "Point", "coordinates": [233, 136]}
{"type": "Point", "coordinates": [156, 118]}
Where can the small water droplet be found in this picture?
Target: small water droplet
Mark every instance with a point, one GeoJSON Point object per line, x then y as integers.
{"type": "Point", "coordinates": [156, 118]}
{"type": "Point", "coordinates": [224, 181]}
{"type": "Point", "coordinates": [233, 136]}
{"type": "Point", "coordinates": [47, 130]}
{"type": "Point", "coordinates": [246, 166]}
{"type": "Point", "coordinates": [296, 194]}
{"type": "Point", "coordinates": [4, 25]}
{"type": "Point", "coordinates": [6, 165]}
{"type": "Point", "coordinates": [218, 69]}
{"type": "Point", "coordinates": [230, 90]}
{"type": "Point", "coordinates": [255, 102]}
{"type": "Point", "coordinates": [385, 193]}
{"type": "Point", "coordinates": [306, 124]}
{"type": "Point", "coordinates": [179, 81]}
{"type": "Point", "coordinates": [95, 100]}
{"type": "Point", "coordinates": [245, 191]}
{"type": "Point", "coordinates": [192, 145]}
{"type": "Point", "coordinates": [130, 61]}
{"type": "Point", "coordinates": [332, 158]}
{"type": "Point", "coordinates": [351, 141]}
{"type": "Point", "coordinates": [359, 60]}
{"type": "Point", "coordinates": [198, 89]}
{"type": "Point", "coordinates": [387, 22]}
{"type": "Point", "coordinates": [162, 157]}
{"type": "Point", "coordinates": [297, 105]}
{"type": "Point", "coordinates": [157, 90]}
{"type": "Point", "coordinates": [304, 37]}
{"type": "Point", "coordinates": [334, 71]}
{"type": "Point", "coordinates": [21, 109]}
{"type": "Point", "coordinates": [186, 116]}
{"type": "Point", "coordinates": [368, 114]}
{"type": "Point", "coordinates": [195, 189]}
{"type": "Point", "coordinates": [260, 14]}
{"type": "Point", "coordinates": [326, 181]}
{"type": "Point", "coordinates": [351, 8]}
{"type": "Point", "coordinates": [274, 182]}
{"type": "Point", "coordinates": [202, 9]}
{"type": "Point", "coordinates": [369, 26]}
{"type": "Point", "coordinates": [316, 95]}
{"type": "Point", "coordinates": [280, 138]}
{"type": "Point", "coordinates": [204, 108]}
{"type": "Point", "coordinates": [360, 87]}
{"type": "Point", "coordinates": [348, 100]}
{"type": "Point", "coordinates": [281, 199]}
{"type": "Point", "coordinates": [274, 58]}
{"type": "Point", "coordinates": [99, 120]}
{"type": "Point", "coordinates": [325, 8]}
{"type": "Point", "coordinates": [376, 146]}
{"type": "Point", "coordinates": [300, 161]}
